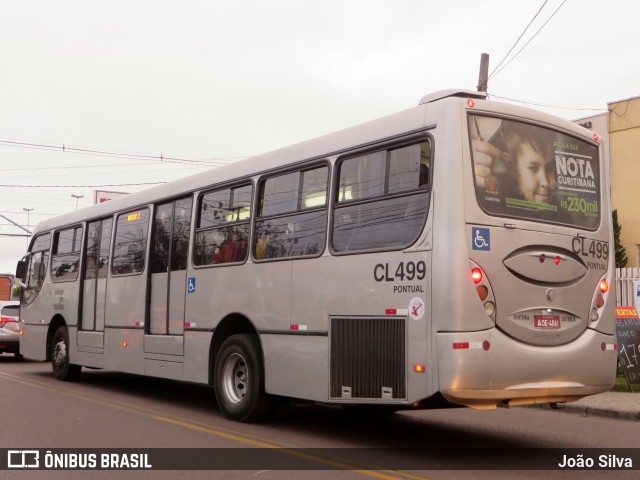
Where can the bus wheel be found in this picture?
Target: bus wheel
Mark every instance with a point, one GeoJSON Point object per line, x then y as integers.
{"type": "Point", "coordinates": [239, 379]}
{"type": "Point", "coordinates": [62, 369]}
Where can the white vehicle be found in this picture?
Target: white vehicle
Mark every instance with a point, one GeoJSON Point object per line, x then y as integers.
{"type": "Point", "coordinates": [459, 252]}
{"type": "Point", "coordinates": [10, 327]}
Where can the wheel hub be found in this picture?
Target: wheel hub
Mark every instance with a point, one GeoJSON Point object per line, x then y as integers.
{"type": "Point", "coordinates": [235, 378]}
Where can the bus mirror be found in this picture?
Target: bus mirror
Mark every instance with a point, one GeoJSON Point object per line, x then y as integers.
{"type": "Point", "coordinates": [21, 269]}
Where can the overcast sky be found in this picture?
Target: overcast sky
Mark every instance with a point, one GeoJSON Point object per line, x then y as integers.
{"type": "Point", "coordinates": [214, 81]}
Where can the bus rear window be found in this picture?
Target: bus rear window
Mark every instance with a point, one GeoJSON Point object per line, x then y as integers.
{"type": "Point", "coordinates": [534, 173]}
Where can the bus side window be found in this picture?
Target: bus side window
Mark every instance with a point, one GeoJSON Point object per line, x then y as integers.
{"type": "Point", "coordinates": [222, 235]}
{"type": "Point", "coordinates": [293, 217]}
{"type": "Point", "coordinates": [130, 243]}
{"type": "Point", "coordinates": [35, 267]}
{"type": "Point", "coordinates": [386, 205]}
{"type": "Point", "coordinates": [66, 254]}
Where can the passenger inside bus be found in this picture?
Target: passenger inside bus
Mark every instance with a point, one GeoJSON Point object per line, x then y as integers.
{"type": "Point", "coordinates": [234, 250]}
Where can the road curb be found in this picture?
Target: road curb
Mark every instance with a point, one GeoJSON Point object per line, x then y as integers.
{"type": "Point", "coordinates": [589, 410]}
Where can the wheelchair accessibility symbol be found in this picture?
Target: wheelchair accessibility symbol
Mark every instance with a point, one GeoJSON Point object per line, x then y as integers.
{"type": "Point", "coordinates": [481, 238]}
{"type": "Point", "coordinates": [191, 284]}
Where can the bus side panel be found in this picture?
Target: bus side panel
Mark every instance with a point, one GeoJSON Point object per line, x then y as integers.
{"type": "Point", "coordinates": [126, 301]}
{"type": "Point", "coordinates": [53, 299]}
{"type": "Point", "coordinates": [196, 356]}
{"type": "Point", "coordinates": [297, 357]}
{"type": "Point", "coordinates": [296, 366]}
{"type": "Point", "coordinates": [33, 344]}
{"type": "Point", "coordinates": [125, 308]}
{"type": "Point", "coordinates": [123, 350]}
{"type": "Point", "coordinates": [299, 364]}
{"type": "Point", "coordinates": [259, 292]}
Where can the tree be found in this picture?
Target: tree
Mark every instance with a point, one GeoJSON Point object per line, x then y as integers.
{"type": "Point", "coordinates": [621, 251]}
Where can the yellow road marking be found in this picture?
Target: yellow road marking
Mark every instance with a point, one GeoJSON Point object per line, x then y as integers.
{"type": "Point", "coordinates": [255, 441]}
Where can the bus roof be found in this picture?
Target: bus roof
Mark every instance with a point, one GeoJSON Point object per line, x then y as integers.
{"type": "Point", "coordinates": [382, 129]}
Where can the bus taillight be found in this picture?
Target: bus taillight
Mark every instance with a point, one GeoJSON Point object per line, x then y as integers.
{"type": "Point", "coordinates": [483, 288]}
{"type": "Point", "coordinates": [604, 286]}
{"type": "Point", "coordinates": [483, 292]}
{"type": "Point", "coordinates": [599, 298]}
{"type": "Point", "coordinates": [476, 275]}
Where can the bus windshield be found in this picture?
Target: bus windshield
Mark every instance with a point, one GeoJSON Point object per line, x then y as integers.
{"type": "Point", "coordinates": [534, 173]}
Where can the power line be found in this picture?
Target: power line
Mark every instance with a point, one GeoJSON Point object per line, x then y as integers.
{"type": "Point", "coordinates": [33, 214]}
{"type": "Point", "coordinates": [72, 167]}
{"type": "Point", "coordinates": [546, 104]}
{"type": "Point", "coordinates": [84, 174]}
{"type": "Point", "coordinates": [83, 186]}
{"type": "Point", "coordinates": [105, 153]}
{"type": "Point", "coordinates": [519, 38]}
{"type": "Point", "coordinates": [495, 72]}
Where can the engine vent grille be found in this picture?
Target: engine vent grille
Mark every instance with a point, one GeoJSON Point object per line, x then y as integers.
{"type": "Point", "coordinates": [368, 358]}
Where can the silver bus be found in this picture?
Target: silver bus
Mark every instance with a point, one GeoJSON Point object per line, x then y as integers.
{"type": "Point", "coordinates": [456, 253]}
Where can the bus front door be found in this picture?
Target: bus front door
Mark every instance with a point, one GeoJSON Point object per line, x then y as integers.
{"type": "Point", "coordinates": [96, 267]}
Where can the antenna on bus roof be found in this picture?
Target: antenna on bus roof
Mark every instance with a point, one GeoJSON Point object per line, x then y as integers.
{"type": "Point", "coordinates": [483, 77]}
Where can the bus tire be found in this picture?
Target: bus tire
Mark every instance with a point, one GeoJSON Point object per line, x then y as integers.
{"type": "Point", "coordinates": [239, 379]}
{"type": "Point", "coordinates": [62, 369]}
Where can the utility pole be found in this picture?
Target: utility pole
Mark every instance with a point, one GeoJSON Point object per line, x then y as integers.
{"type": "Point", "coordinates": [28, 210]}
{"type": "Point", "coordinates": [483, 77]}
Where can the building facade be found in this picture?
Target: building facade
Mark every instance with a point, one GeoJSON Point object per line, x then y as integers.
{"type": "Point", "coordinates": [621, 126]}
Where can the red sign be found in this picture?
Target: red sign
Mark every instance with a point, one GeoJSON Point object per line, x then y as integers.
{"type": "Point", "coordinates": [546, 321]}
{"type": "Point", "coordinates": [101, 196]}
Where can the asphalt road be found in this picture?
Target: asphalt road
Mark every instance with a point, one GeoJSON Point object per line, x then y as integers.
{"type": "Point", "coordinates": [106, 410]}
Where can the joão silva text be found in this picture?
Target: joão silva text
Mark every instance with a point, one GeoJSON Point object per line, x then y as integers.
{"type": "Point", "coordinates": [604, 461]}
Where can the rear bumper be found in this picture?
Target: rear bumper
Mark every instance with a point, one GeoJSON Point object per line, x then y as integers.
{"type": "Point", "coordinates": [490, 399]}
{"type": "Point", "coordinates": [512, 373]}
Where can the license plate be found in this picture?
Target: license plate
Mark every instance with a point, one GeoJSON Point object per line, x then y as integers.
{"type": "Point", "coordinates": [546, 321]}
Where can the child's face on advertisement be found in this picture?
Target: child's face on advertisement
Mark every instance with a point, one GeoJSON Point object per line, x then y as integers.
{"type": "Point", "coordinates": [535, 174]}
